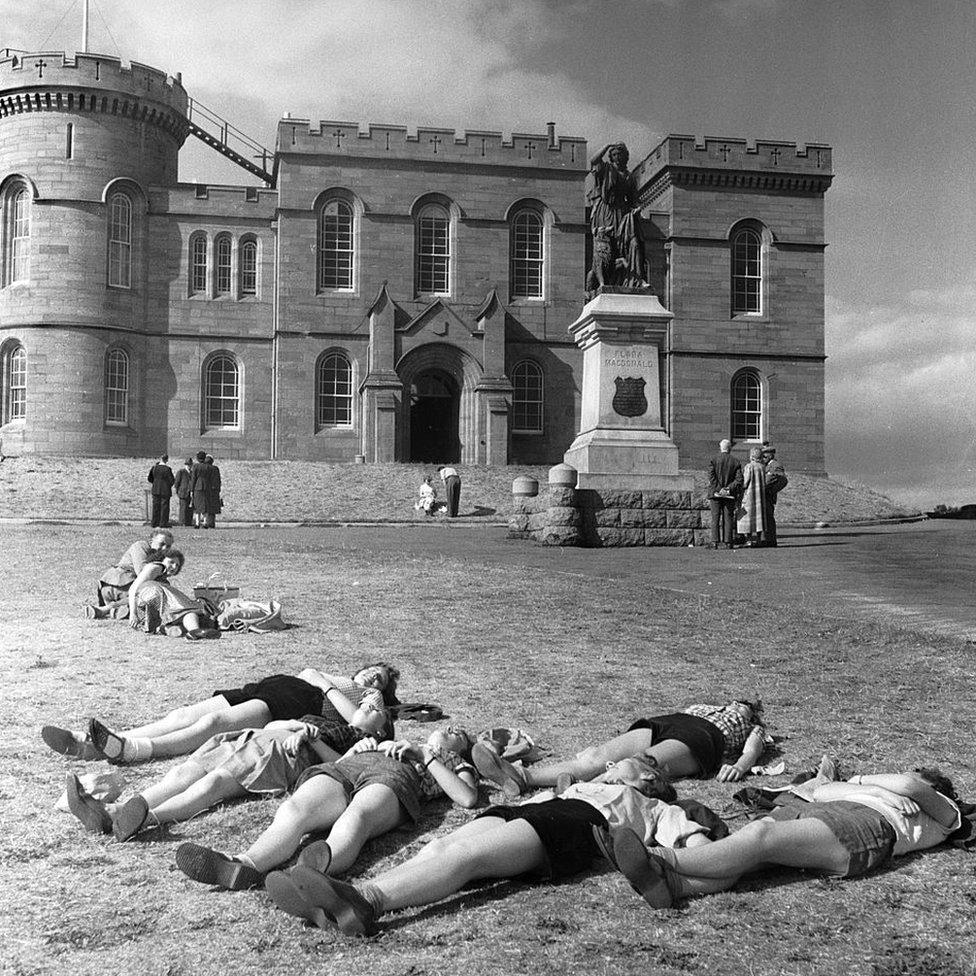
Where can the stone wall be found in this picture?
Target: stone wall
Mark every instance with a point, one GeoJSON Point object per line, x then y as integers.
{"type": "Point", "coordinates": [608, 518]}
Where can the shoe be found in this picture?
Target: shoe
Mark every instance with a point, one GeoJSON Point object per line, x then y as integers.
{"type": "Point", "coordinates": [111, 745]}
{"type": "Point", "coordinates": [506, 776]}
{"type": "Point", "coordinates": [649, 875]}
{"type": "Point", "coordinates": [211, 867]}
{"type": "Point", "coordinates": [290, 898]}
{"type": "Point", "coordinates": [317, 856]}
{"type": "Point", "coordinates": [202, 633]}
{"type": "Point", "coordinates": [130, 818]}
{"type": "Point", "coordinates": [338, 900]}
{"type": "Point", "coordinates": [91, 812]}
{"type": "Point", "coordinates": [70, 744]}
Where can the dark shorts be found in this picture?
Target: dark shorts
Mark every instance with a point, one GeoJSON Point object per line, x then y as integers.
{"type": "Point", "coordinates": [285, 695]}
{"type": "Point", "coordinates": [565, 828]}
{"type": "Point", "coordinates": [364, 769]}
{"type": "Point", "coordinates": [703, 738]}
{"type": "Point", "coordinates": [865, 834]}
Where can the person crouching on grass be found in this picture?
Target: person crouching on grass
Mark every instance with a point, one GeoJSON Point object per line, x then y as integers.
{"type": "Point", "coordinates": [847, 830]}
{"type": "Point", "coordinates": [547, 836]}
{"type": "Point", "coordinates": [254, 762]}
{"type": "Point", "coordinates": [371, 790]}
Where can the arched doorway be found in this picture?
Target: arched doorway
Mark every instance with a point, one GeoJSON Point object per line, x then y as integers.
{"type": "Point", "coordinates": [434, 406]}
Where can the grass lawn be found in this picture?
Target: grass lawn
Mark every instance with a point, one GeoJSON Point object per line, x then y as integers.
{"type": "Point", "coordinates": [571, 656]}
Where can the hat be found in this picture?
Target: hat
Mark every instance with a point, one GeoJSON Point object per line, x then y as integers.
{"type": "Point", "coordinates": [768, 450]}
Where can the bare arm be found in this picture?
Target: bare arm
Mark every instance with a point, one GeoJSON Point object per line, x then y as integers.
{"type": "Point", "coordinates": [148, 572]}
{"type": "Point", "coordinates": [460, 787]}
{"type": "Point", "coordinates": [751, 751]}
{"type": "Point", "coordinates": [598, 158]}
{"type": "Point", "coordinates": [895, 788]}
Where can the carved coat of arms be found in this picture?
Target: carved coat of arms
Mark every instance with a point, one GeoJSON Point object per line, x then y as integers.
{"type": "Point", "coordinates": [629, 400]}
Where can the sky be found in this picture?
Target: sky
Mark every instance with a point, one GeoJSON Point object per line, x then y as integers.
{"type": "Point", "coordinates": [889, 84]}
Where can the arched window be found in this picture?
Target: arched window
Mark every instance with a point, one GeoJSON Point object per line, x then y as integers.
{"type": "Point", "coordinates": [249, 267]}
{"type": "Point", "coordinates": [198, 264]}
{"type": "Point", "coordinates": [222, 394]}
{"type": "Point", "coordinates": [336, 248]}
{"type": "Point", "coordinates": [746, 245]}
{"type": "Point", "coordinates": [747, 407]}
{"type": "Point", "coordinates": [222, 254]}
{"type": "Point", "coordinates": [527, 255]}
{"type": "Point", "coordinates": [433, 250]}
{"type": "Point", "coordinates": [119, 241]}
{"type": "Point", "coordinates": [117, 388]}
{"type": "Point", "coordinates": [16, 234]}
{"type": "Point", "coordinates": [528, 398]}
{"type": "Point", "coordinates": [14, 383]}
{"type": "Point", "coordinates": [333, 393]}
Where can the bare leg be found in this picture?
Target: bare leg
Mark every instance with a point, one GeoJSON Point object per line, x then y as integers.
{"type": "Point", "coordinates": [248, 715]}
{"type": "Point", "coordinates": [373, 811]}
{"type": "Point", "coordinates": [172, 784]}
{"type": "Point", "coordinates": [214, 788]}
{"type": "Point", "coordinates": [179, 718]}
{"type": "Point", "coordinates": [491, 849]}
{"type": "Point", "coordinates": [316, 804]}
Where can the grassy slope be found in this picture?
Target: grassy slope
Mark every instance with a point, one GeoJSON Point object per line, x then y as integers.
{"type": "Point", "coordinates": [112, 488]}
{"type": "Point", "coordinates": [468, 634]}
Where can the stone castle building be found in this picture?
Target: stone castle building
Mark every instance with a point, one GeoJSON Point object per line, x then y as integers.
{"type": "Point", "coordinates": [375, 292]}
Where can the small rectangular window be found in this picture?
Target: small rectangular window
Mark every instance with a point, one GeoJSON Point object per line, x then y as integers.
{"type": "Point", "coordinates": [69, 141]}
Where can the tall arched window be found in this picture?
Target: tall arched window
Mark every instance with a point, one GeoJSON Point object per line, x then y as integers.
{"type": "Point", "coordinates": [747, 270]}
{"type": "Point", "coordinates": [747, 407]}
{"type": "Point", "coordinates": [249, 267]}
{"type": "Point", "coordinates": [14, 383]}
{"type": "Point", "coordinates": [433, 250]}
{"type": "Point", "coordinates": [119, 241]}
{"type": "Point", "coordinates": [198, 264]}
{"type": "Point", "coordinates": [528, 398]}
{"type": "Point", "coordinates": [336, 248]}
{"type": "Point", "coordinates": [16, 234]}
{"type": "Point", "coordinates": [117, 388]}
{"type": "Point", "coordinates": [222, 394]}
{"type": "Point", "coordinates": [527, 255]}
{"type": "Point", "coordinates": [222, 260]}
{"type": "Point", "coordinates": [333, 391]}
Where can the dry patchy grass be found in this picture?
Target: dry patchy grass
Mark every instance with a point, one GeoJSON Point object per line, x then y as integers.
{"type": "Point", "coordinates": [572, 657]}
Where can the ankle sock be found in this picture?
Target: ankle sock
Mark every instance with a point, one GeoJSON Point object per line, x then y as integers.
{"type": "Point", "coordinates": [372, 894]}
{"type": "Point", "coordinates": [136, 749]}
{"type": "Point", "coordinates": [244, 859]}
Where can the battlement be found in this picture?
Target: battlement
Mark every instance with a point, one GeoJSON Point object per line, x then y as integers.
{"type": "Point", "coordinates": [43, 70]}
{"type": "Point", "coordinates": [432, 145]}
{"type": "Point", "coordinates": [739, 155]}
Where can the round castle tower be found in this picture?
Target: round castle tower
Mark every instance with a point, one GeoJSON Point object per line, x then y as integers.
{"type": "Point", "coordinates": [82, 140]}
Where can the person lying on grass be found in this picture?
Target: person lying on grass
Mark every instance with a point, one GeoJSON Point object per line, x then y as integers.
{"type": "Point", "coordinates": [254, 762]}
{"type": "Point", "coordinates": [703, 740]}
{"type": "Point", "coordinates": [549, 837]}
{"type": "Point", "coordinates": [372, 789]}
{"type": "Point", "coordinates": [847, 830]}
{"type": "Point", "coordinates": [361, 701]}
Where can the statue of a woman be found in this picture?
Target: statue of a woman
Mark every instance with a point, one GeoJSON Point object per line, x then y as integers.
{"type": "Point", "coordinates": [611, 194]}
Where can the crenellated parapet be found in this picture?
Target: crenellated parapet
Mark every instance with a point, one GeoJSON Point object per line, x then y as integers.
{"type": "Point", "coordinates": [56, 82]}
{"type": "Point", "coordinates": [763, 164]}
{"type": "Point", "coordinates": [546, 151]}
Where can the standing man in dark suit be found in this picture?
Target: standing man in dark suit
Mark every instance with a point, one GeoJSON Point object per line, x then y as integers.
{"type": "Point", "coordinates": [183, 492]}
{"type": "Point", "coordinates": [725, 487]}
{"type": "Point", "coordinates": [213, 504]}
{"type": "Point", "coordinates": [161, 479]}
{"type": "Point", "coordinates": [776, 481]}
{"type": "Point", "coordinates": [452, 488]}
{"type": "Point", "coordinates": [200, 489]}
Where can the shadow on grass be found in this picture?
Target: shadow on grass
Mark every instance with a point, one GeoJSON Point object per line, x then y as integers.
{"type": "Point", "coordinates": [479, 511]}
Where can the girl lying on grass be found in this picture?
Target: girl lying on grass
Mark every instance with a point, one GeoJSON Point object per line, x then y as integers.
{"type": "Point", "coordinates": [849, 829]}
{"type": "Point", "coordinates": [724, 741]}
{"type": "Point", "coordinates": [254, 762]}
{"type": "Point", "coordinates": [374, 788]}
{"type": "Point", "coordinates": [546, 837]}
{"type": "Point", "coordinates": [361, 701]}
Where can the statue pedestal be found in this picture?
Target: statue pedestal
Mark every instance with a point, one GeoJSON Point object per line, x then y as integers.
{"type": "Point", "coordinates": [622, 442]}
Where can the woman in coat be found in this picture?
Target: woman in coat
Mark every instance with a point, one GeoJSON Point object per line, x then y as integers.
{"type": "Point", "coordinates": [752, 510]}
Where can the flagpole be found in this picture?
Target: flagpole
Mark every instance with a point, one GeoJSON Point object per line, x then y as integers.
{"type": "Point", "coordinates": [84, 29]}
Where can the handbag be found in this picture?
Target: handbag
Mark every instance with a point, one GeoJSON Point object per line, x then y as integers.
{"type": "Point", "coordinates": [214, 594]}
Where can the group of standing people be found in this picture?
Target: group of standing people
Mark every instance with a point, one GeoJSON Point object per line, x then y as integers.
{"type": "Point", "coordinates": [743, 498]}
{"type": "Point", "coordinates": [197, 486]}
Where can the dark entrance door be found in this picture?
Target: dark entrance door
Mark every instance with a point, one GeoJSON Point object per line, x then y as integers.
{"type": "Point", "coordinates": [434, 404]}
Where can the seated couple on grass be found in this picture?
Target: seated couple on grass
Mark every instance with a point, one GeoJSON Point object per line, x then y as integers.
{"type": "Point", "coordinates": [361, 701]}
{"type": "Point", "coordinates": [724, 741]}
{"type": "Point", "coordinates": [546, 837]}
